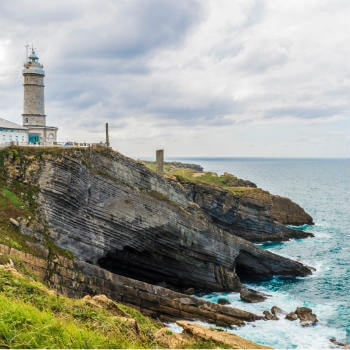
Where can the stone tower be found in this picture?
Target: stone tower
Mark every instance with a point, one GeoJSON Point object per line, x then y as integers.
{"type": "Point", "coordinates": [34, 117]}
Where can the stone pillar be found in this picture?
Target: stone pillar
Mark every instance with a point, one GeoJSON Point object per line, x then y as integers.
{"type": "Point", "coordinates": [160, 161]}
{"type": "Point", "coordinates": [107, 135]}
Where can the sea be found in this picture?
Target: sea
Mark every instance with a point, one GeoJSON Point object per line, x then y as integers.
{"type": "Point", "coordinates": [322, 188]}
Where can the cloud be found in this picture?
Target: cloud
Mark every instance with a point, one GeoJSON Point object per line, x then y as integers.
{"type": "Point", "coordinates": [312, 112]}
{"type": "Point", "coordinates": [182, 72]}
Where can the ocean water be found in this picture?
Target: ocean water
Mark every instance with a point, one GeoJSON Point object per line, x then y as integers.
{"type": "Point", "coordinates": [322, 188]}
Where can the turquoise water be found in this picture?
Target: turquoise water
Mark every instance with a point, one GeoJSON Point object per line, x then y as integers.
{"type": "Point", "coordinates": [322, 188]}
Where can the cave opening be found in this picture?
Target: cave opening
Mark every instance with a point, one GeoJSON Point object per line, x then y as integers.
{"type": "Point", "coordinates": [141, 266]}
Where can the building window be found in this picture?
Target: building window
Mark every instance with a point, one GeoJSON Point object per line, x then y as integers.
{"type": "Point", "coordinates": [16, 137]}
{"type": "Point", "coordinates": [51, 136]}
{"type": "Point", "coordinates": [27, 120]}
{"type": "Point", "coordinates": [4, 137]}
{"type": "Point", "coordinates": [22, 138]}
{"type": "Point", "coordinates": [10, 137]}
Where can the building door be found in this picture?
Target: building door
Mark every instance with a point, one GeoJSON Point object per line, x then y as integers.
{"type": "Point", "coordinates": [34, 138]}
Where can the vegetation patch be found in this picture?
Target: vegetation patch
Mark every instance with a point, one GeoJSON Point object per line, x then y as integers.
{"type": "Point", "coordinates": [32, 316]}
{"type": "Point", "coordinates": [153, 166]}
{"type": "Point", "coordinates": [18, 199]}
{"type": "Point", "coordinates": [229, 182]}
{"type": "Point", "coordinates": [210, 178]}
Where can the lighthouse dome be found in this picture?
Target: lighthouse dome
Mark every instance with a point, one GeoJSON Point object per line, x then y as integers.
{"type": "Point", "coordinates": [33, 56]}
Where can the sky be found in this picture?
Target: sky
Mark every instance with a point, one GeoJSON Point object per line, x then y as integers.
{"type": "Point", "coordinates": [227, 78]}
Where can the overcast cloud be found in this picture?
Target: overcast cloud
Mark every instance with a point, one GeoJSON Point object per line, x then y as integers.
{"type": "Point", "coordinates": [199, 78]}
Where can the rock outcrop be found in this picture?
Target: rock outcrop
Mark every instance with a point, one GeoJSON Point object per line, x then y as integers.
{"type": "Point", "coordinates": [292, 316]}
{"type": "Point", "coordinates": [252, 296]}
{"type": "Point", "coordinates": [231, 340]}
{"type": "Point", "coordinates": [114, 212]}
{"type": "Point", "coordinates": [79, 279]}
{"type": "Point", "coordinates": [306, 317]}
{"type": "Point", "coordinates": [252, 214]}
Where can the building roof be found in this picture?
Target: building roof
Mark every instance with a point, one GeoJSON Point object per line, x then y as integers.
{"type": "Point", "coordinates": [6, 124]}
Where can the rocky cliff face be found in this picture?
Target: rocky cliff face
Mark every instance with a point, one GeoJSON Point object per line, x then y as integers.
{"type": "Point", "coordinates": [114, 212]}
{"type": "Point", "coordinates": [253, 214]}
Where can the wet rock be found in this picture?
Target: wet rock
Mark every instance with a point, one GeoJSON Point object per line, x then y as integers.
{"type": "Point", "coordinates": [292, 316]}
{"type": "Point", "coordinates": [189, 291]}
{"type": "Point", "coordinates": [223, 301]}
{"type": "Point", "coordinates": [275, 310]}
{"type": "Point", "coordinates": [269, 316]}
{"type": "Point", "coordinates": [252, 296]}
{"type": "Point", "coordinates": [339, 343]}
{"type": "Point", "coordinates": [306, 317]}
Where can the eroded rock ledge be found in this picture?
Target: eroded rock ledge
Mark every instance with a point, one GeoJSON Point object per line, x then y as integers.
{"type": "Point", "coordinates": [252, 214]}
{"type": "Point", "coordinates": [109, 210]}
{"type": "Point", "coordinates": [75, 278]}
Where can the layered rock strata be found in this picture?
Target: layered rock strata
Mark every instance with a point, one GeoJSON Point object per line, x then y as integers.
{"type": "Point", "coordinates": [112, 211]}
{"type": "Point", "coordinates": [257, 217]}
{"type": "Point", "coordinates": [77, 279]}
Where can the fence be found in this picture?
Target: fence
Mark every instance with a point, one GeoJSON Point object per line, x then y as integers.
{"type": "Point", "coordinates": [50, 144]}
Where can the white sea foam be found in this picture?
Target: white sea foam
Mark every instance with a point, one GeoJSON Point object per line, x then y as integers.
{"type": "Point", "coordinates": [284, 333]}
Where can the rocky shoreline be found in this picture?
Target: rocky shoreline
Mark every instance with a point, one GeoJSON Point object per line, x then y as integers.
{"type": "Point", "coordinates": [145, 239]}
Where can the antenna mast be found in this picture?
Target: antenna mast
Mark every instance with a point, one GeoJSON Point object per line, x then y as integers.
{"type": "Point", "coordinates": [26, 46]}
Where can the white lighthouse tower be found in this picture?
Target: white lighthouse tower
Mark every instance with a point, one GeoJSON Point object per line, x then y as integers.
{"type": "Point", "coordinates": [34, 117]}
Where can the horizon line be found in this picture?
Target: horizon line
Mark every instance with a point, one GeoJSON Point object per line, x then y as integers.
{"type": "Point", "coordinates": [246, 157]}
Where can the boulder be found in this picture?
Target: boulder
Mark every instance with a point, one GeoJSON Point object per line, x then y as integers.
{"type": "Point", "coordinates": [275, 310]}
{"type": "Point", "coordinates": [223, 301]}
{"type": "Point", "coordinates": [306, 317]}
{"type": "Point", "coordinates": [252, 296]}
{"type": "Point", "coordinates": [292, 316]}
{"type": "Point", "coordinates": [269, 316]}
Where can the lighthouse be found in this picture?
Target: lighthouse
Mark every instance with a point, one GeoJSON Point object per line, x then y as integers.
{"type": "Point", "coordinates": [34, 118]}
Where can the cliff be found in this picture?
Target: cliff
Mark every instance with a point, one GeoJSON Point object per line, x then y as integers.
{"type": "Point", "coordinates": [241, 208]}
{"type": "Point", "coordinates": [111, 211]}
{"type": "Point", "coordinates": [35, 316]}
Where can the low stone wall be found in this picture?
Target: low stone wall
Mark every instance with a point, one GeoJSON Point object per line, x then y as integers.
{"type": "Point", "coordinates": [76, 278]}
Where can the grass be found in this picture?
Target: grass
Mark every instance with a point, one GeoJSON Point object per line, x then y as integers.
{"type": "Point", "coordinates": [11, 206]}
{"type": "Point", "coordinates": [153, 166]}
{"type": "Point", "coordinates": [19, 201]}
{"type": "Point", "coordinates": [31, 316]}
{"type": "Point", "coordinates": [239, 187]}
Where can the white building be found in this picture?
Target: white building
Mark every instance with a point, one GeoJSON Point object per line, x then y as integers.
{"type": "Point", "coordinates": [12, 132]}
{"type": "Point", "coordinates": [34, 129]}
